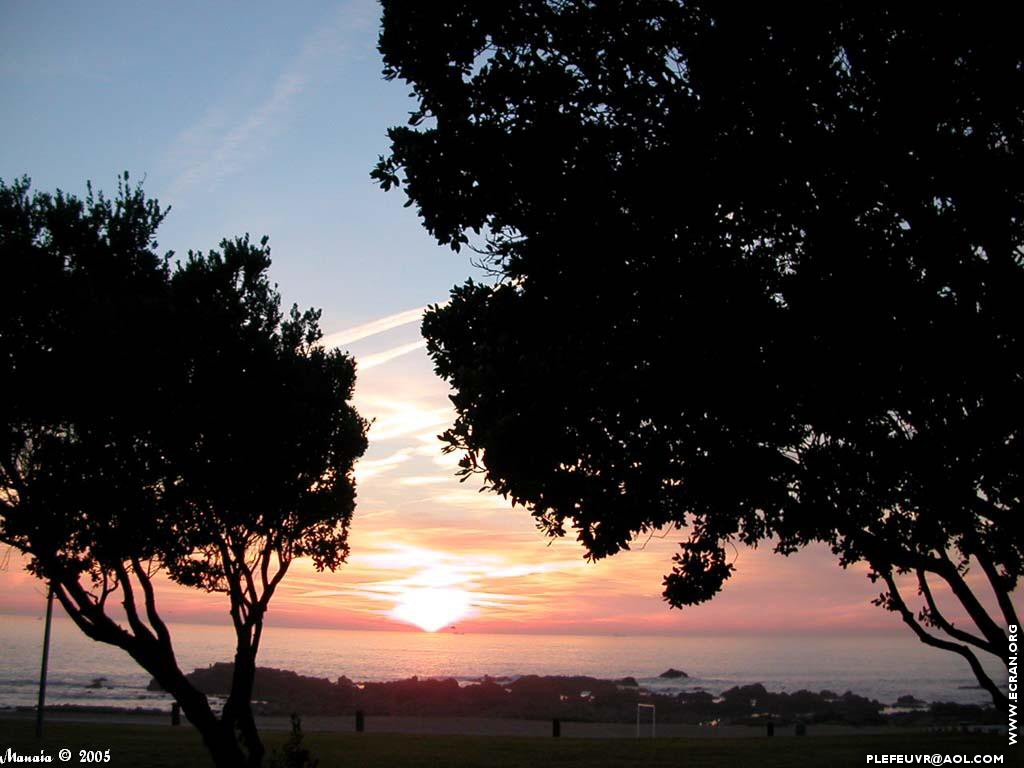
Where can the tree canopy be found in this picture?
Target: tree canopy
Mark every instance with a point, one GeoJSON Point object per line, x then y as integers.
{"type": "Point", "coordinates": [757, 276]}
{"type": "Point", "coordinates": [164, 419]}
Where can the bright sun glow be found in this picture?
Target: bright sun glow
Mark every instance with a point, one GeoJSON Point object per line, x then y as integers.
{"type": "Point", "coordinates": [432, 608]}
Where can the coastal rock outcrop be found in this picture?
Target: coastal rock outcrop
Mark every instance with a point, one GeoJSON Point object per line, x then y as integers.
{"type": "Point", "coordinates": [672, 673]}
{"type": "Point", "coordinates": [534, 697]}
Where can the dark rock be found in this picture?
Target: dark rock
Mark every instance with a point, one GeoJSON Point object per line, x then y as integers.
{"type": "Point", "coordinates": [672, 674]}
{"type": "Point", "coordinates": [533, 697]}
{"type": "Point", "coordinates": [910, 701]}
{"type": "Point", "coordinates": [277, 691]}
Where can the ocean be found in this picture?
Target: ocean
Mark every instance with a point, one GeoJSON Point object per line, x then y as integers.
{"type": "Point", "coordinates": [83, 672]}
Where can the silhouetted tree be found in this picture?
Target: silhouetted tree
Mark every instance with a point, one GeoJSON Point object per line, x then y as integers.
{"type": "Point", "coordinates": [164, 421]}
{"type": "Point", "coordinates": [758, 274]}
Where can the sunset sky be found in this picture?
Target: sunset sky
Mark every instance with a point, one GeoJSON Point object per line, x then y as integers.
{"type": "Point", "coordinates": [268, 120]}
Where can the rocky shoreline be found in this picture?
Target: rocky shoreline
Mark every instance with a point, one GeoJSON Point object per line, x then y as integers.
{"type": "Point", "coordinates": [575, 698]}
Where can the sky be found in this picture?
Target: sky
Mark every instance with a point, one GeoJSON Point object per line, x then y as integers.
{"type": "Point", "coordinates": [267, 119]}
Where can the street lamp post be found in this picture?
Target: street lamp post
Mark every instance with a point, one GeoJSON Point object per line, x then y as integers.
{"type": "Point", "coordinates": [46, 660]}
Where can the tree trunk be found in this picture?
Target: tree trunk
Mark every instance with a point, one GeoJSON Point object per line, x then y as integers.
{"type": "Point", "coordinates": [238, 715]}
{"type": "Point", "coordinates": [217, 734]}
{"type": "Point", "coordinates": [232, 739]}
{"type": "Point", "coordinates": [222, 745]}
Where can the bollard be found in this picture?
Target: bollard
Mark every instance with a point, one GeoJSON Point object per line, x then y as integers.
{"type": "Point", "coordinates": [175, 713]}
{"type": "Point", "coordinates": [556, 727]}
{"type": "Point", "coordinates": [360, 721]}
{"type": "Point", "coordinates": [801, 729]}
{"type": "Point", "coordinates": [771, 728]}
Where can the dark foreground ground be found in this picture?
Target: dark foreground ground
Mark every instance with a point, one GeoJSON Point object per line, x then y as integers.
{"type": "Point", "coordinates": [467, 726]}
{"type": "Point", "coordinates": [156, 746]}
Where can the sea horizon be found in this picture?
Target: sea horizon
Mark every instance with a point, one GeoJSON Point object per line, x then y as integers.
{"type": "Point", "coordinates": [397, 627]}
{"type": "Point", "coordinates": [84, 673]}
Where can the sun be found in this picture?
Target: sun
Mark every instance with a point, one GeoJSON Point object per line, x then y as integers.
{"type": "Point", "coordinates": [432, 608]}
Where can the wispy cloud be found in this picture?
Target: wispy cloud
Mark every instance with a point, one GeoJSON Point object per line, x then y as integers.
{"type": "Point", "coordinates": [366, 362]}
{"type": "Point", "coordinates": [210, 151]}
{"type": "Point", "coordinates": [395, 570]}
{"type": "Point", "coordinates": [466, 499]}
{"type": "Point", "coordinates": [395, 418]}
{"type": "Point", "coordinates": [367, 468]}
{"type": "Point", "coordinates": [425, 480]}
{"type": "Point", "coordinates": [372, 328]}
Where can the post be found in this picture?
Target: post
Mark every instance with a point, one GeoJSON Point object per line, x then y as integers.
{"type": "Point", "coordinates": [801, 729]}
{"type": "Point", "coordinates": [771, 728]}
{"type": "Point", "coordinates": [360, 721]}
{"type": "Point", "coordinates": [556, 727]}
{"type": "Point", "coordinates": [654, 718]}
{"type": "Point", "coordinates": [175, 713]}
{"type": "Point", "coordinates": [45, 663]}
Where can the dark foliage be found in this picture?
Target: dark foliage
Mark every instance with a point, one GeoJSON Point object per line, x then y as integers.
{"type": "Point", "coordinates": [164, 420]}
{"type": "Point", "coordinates": [758, 273]}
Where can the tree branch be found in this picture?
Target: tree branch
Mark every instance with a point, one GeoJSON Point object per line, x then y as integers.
{"type": "Point", "coordinates": [77, 615]}
{"type": "Point", "coordinates": [155, 620]}
{"type": "Point", "coordinates": [265, 563]}
{"type": "Point", "coordinates": [993, 633]}
{"type": "Point", "coordinates": [883, 557]}
{"type": "Point", "coordinates": [109, 587]}
{"type": "Point", "coordinates": [941, 622]}
{"type": "Point", "coordinates": [130, 608]}
{"type": "Point", "coordinates": [238, 551]}
{"type": "Point", "coordinates": [999, 586]}
{"type": "Point", "coordinates": [282, 568]}
{"type": "Point", "coordinates": [896, 602]}
{"type": "Point", "coordinates": [239, 611]}
{"type": "Point", "coordinates": [87, 616]}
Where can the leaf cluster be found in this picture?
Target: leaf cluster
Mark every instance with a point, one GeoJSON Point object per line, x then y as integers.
{"type": "Point", "coordinates": [158, 412]}
{"type": "Point", "coordinates": [759, 270]}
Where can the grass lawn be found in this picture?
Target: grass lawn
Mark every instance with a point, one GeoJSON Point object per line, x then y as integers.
{"type": "Point", "coordinates": [163, 747]}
